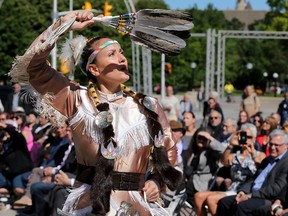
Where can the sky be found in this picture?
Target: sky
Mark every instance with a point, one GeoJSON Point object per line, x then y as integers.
{"type": "Point", "coordinates": [219, 4]}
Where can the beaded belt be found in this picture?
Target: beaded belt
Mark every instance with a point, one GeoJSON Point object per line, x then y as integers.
{"type": "Point", "coordinates": [127, 181]}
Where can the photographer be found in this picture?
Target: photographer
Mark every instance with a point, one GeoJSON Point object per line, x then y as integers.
{"type": "Point", "coordinates": [242, 163]}
{"type": "Point", "coordinates": [247, 137]}
{"type": "Point", "coordinates": [201, 165]}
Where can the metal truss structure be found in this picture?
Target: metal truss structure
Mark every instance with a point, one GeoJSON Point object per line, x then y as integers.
{"type": "Point", "coordinates": [135, 53]}
{"type": "Point", "coordinates": [222, 36]}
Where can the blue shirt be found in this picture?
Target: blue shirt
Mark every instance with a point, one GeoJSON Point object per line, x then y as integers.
{"type": "Point", "coordinates": [262, 176]}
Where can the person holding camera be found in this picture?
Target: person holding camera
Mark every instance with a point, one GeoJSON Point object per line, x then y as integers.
{"type": "Point", "coordinates": [269, 180]}
{"type": "Point", "coordinates": [202, 164]}
{"type": "Point", "coordinates": [242, 159]}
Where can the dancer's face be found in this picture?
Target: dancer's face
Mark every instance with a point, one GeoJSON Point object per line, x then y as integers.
{"type": "Point", "coordinates": [110, 65]}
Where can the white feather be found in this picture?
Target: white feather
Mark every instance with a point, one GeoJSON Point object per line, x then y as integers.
{"type": "Point", "coordinates": [72, 50]}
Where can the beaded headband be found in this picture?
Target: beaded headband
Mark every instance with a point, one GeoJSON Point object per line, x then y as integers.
{"type": "Point", "coordinates": [95, 53]}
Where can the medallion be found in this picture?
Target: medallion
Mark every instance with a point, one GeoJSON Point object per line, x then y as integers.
{"type": "Point", "coordinates": [103, 119]}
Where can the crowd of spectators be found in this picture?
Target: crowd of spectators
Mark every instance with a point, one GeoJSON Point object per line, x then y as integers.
{"type": "Point", "coordinates": [37, 159]}
{"type": "Point", "coordinates": [234, 166]}
{"type": "Point", "coordinates": [231, 166]}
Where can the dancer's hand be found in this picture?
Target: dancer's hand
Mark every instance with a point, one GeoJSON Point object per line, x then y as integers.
{"type": "Point", "coordinates": [84, 19]}
{"type": "Point", "coordinates": [152, 191]}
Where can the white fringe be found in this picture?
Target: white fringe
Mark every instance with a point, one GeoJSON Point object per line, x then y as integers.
{"type": "Point", "coordinates": [89, 126]}
{"type": "Point", "coordinates": [154, 210]}
{"type": "Point", "coordinates": [133, 139]}
{"type": "Point", "coordinates": [72, 201]}
{"type": "Point", "coordinates": [18, 71]}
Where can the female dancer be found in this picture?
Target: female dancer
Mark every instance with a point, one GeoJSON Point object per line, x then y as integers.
{"type": "Point", "coordinates": [115, 130]}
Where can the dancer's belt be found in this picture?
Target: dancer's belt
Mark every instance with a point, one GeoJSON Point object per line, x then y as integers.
{"type": "Point", "coordinates": [121, 180]}
{"type": "Point", "coordinates": [128, 181]}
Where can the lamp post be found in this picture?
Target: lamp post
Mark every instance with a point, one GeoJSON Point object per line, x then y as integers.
{"type": "Point", "coordinates": [265, 74]}
{"type": "Point", "coordinates": [193, 66]}
{"type": "Point", "coordinates": [249, 66]}
{"type": "Point", "coordinates": [275, 76]}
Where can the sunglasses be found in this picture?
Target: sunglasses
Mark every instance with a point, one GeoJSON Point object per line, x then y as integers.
{"type": "Point", "coordinates": [215, 117]}
{"type": "Point", "coordinates": [16, 117]}
{"type": "Point", "coordinates": [276, 145]}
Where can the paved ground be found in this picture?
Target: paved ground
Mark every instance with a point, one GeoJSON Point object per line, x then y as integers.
{"type": "Point", "coordinates": [268, 105]}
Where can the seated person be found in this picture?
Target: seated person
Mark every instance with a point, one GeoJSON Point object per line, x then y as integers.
{"type": "Point", "coordinates": [242, 160]}
{"type": "Point", "coordinates": [201, 165]}
{"type": "Point", "coordinates": [270, 179]}
{"type": "Point", "coordinates": [55, 159]}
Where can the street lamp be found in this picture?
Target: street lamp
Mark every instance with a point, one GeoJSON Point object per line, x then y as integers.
{"type": "Point", "coordinates": [265, 74]}
{"type": "Point", "coordinates": [275, 76]}
{"type": "Point", "coordinates": [193, 66]}
{"type": "Point", "coordinates": [249, 66]}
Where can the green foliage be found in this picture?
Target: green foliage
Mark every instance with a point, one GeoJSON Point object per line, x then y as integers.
{"type": "Point", "coordinates": [22, 21]}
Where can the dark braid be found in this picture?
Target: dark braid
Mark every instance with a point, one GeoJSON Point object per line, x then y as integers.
{"type": "Point", "coordinates": [102, 182]}
{"type": "Point", "coordinates": [164, 172]}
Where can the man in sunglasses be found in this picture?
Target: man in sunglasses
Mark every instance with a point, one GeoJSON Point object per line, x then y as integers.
{"type": "Point", "coordinates": [269, 180]}
{"type": "Point", "coordinates": [215, 124]}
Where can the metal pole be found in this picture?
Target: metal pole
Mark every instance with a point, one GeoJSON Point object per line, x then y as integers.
{"type": "Point", "coordinates": [162, 76]}
{"type": "Point", "coordinates": [150, 84]}
{"type": "Point", "coordinates": [70, 9]}
{"type": "Point", "coordinates": [54, 51]}
{"type": "Point", "coordinates": [71, 74]}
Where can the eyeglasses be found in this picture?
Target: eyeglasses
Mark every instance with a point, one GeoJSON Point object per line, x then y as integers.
{"type": "Point", "coordinates": [276, 145]}
{"type": "Point", "coordinates": [213, 117]}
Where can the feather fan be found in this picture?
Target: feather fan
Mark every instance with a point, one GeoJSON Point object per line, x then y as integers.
{"type": "Point", "coordinates": [160, 30]}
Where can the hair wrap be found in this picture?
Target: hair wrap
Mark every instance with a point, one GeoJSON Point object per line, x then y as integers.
{"type": "Point", "coordinates": [95, 53]}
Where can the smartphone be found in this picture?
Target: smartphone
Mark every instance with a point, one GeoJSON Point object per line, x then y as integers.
{"type": "Point", "coordinates": [242, 138]}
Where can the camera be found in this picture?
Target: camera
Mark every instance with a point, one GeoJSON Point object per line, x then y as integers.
{"type": "Point", "coordinates": [242, 138]}
{"type": "Point", "coordinates": [277, 210]}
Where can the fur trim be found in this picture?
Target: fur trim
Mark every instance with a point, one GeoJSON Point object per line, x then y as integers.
{"type": "Point", "coordinates": [169, 175]}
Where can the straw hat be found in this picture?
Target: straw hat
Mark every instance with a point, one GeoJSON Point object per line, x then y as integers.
{"type": "Point", "coordinates": [176, 126]}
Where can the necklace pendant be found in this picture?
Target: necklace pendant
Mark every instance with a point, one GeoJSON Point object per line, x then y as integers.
{"type": "Point", "coordinates": [159, 140]}
{"type": "Point", "coordinates": [103, 119]}
{"type": "Point", "coordinates": [110, 152]}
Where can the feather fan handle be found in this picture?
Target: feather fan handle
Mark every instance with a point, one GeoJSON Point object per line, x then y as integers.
{"type": "Point", "coordinates": [72, 50]}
